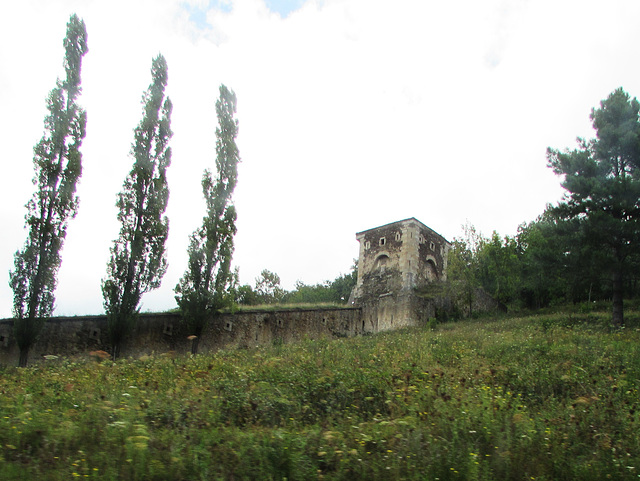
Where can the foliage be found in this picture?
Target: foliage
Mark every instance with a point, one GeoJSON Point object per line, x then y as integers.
{"type": "Point", "coordinates": [463, 276]}
{"type": "Point", "coordinates": [58, 166]}
{"type": "Point", "coordinates": [138, 259]}
{"type": "Point", "coordinates": [345, 283]}
{"type": "Point", "coordinates": [602, 179]}
{"type": "Point", "coordinates": [553, 396]}
{"type": "Point", "coordinates": [336, 291]}
{"type": "Point", "coordinates": [310, 294]}
{"type": "Point", "coordinates": [208, 283]}
{"type": "Point", "coordinates": [244, 295]}
{"type": "Point", "coordinates": [499, 268]}
{"type": "Point", "coordinates": [544, 261]}
{"type": "Point", "coordinates": [268, 290]}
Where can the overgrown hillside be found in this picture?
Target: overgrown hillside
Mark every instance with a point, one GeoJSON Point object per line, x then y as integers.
{"type": "Point", "coordinates": [546, 397]}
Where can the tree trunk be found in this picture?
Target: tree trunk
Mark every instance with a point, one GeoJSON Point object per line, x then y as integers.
{"type": "Point", "coordinates": [24, 357]}
{"type": "Point", "coordinates": [116, 350]}
{"type": "Point", "coordinates": [617, 318]}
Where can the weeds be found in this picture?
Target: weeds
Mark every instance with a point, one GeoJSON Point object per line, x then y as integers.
{"type": "Point", "coordinates": [538, 397]}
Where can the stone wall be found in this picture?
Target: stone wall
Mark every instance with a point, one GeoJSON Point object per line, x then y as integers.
{"type": "Point", "coordinates": [161, 333]}
{"type": "Point", "coordinates": [394, 260]}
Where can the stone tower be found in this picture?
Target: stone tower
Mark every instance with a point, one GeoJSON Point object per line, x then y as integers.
{"type": "Point", "coordinates": [395, 259]}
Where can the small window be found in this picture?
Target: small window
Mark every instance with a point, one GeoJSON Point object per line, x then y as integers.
{"type": "Point", "coordinates": [383, 241]}
{"type": "Point", "coordinates": [167, 329]}
{"type": "Point", "coordinates": [421, 239]}
{"type": "Point", "coordinates": [398, 236]}
{"type": "Point", "coordinates": [367, 245]}
{"type": "Point", "coordinates": [228, 326]}
{"type": "Point", "coordinates": [432, 246]}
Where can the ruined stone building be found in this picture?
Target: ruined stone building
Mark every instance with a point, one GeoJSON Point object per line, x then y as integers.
{"type": "Point", "coordinates": [394, 259]}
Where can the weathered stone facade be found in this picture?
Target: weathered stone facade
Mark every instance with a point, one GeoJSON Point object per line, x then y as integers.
{"type": "Point", "coordinates": [395, 259]}
{"type": "Point", "coordinates": [161, 333]}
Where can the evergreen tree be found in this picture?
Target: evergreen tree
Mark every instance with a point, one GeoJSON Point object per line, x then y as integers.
{"type": "Point", "coordinates": [208, 282]}
{"type": "Point", "coordinates": [138, 259]}
{"type": "Point", "coordinates": [602, 178]}
{"type": "Point", "coordinates": [58, 166]}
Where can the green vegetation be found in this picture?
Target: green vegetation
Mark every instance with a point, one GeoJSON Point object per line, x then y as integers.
{"type": "Point", "coordinates": [583, 249]}
{"type": "Point", "coordinates": [138, 260]}
{"type": "Point", "coordinates": [58, 166]}
{"type": "Point", "coordinates": [284, 307]}
{"type": "Point", "coordinates": [267, 291]}
{"type": "Point", "coordinates": [207, 284]}
{"type": "Point", "coordinates": [546, 397]}
{"type": "Point", "coordinates": [602, 179]}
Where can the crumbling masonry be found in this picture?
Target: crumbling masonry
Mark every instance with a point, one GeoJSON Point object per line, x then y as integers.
{"type": "Point", "coordinates": [394, 260]}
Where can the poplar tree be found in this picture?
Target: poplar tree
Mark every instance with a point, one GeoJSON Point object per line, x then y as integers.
{"type": "Point", "coordinates": [138, 259]}
{"type": "Point", "coordinates": [208, 280]}
{"type": "Point", "coordinates": [58, 166]}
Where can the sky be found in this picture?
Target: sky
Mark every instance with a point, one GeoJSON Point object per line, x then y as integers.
{"type": "Point", "coordinates": [352, 113]}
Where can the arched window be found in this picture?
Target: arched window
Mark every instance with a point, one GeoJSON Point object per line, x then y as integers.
{"type": "Point", "coordinates": [382, 261]}
{"type": "Point", "coordinates": [431, 271]}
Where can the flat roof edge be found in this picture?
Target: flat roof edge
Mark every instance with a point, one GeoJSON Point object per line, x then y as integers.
{"type": "Point", "coordinates": [358, 234]}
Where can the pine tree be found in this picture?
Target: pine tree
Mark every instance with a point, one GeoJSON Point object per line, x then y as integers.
{"type": "Point", "coordinates": [138, 260]}
{"type": "Point", "coordinates": [58, 166]}
{"type": "Point", "coordinates": [207, 284]}
{"type": "Point", "coordinates": [602, 178]}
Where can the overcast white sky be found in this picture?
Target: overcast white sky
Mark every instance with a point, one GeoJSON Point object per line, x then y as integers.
{"type": "Point", "coordinates": [353, 114]}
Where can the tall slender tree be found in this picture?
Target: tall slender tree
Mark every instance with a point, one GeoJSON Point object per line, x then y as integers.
{"type": "Point", "coordinates": [138, 259]}
{"type": "Point", "coordinates": [463, 268]}
{"type": "Point", "coordinates": [207, 284]}
{"type": "Point", "coordinates": [602, 178]}
{"type": "Point", "coordinates": [58, 166]}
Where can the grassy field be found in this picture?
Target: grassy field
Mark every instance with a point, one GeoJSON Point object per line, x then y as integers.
{"type": "Point", "coordinates": [546, 397]}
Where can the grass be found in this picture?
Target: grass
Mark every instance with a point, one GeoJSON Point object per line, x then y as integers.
{"type": "Point", "coordinates": [290, 307]}
{"type": "Point", "coordinates": [548, 397]}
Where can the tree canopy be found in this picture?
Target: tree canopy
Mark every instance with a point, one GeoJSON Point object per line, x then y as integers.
{"type": "Point", "coordinates": [602, 179]}
{"type": "Point", "coordinates": [138, 260]}
{"type": "Point", "coordinates": [58, 166]}
{"type": "Point", "coordinates": [208, 281]}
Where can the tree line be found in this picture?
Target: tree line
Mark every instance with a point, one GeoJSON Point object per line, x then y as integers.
{"type": "Point", "coordinates": [585, 248]}
{"type": "Point", "coordinates": [138, 259]}
{"type": "Point", "coordinates": [267, 290]}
